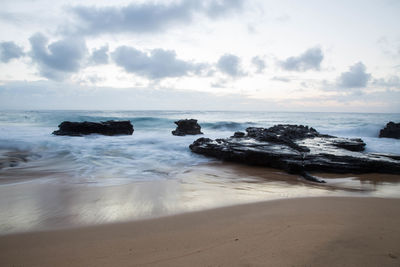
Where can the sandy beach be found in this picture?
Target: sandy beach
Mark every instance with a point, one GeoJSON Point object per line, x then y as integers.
{"type": "Point", "coordinates": [199, 133]}
{"type": "Point", "coordinates": [330, 231]}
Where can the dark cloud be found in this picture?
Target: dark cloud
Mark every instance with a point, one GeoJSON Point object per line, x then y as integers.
{"type": "Point", "coordinates": [9, 51]}
{"type": "Point", "coordinates": [309, 60]}
{"type": "Point", "coordinates": [99, 56]}
{"type": "Point", "coordinates": [59, 59]}
{"type": "Point", "coordinates": [259, 63]}
{"type": "Point", "coordinates": [156, 64]}
{"type": "Point", "coordinates": [356, 77]}
{"type": "Point", "coordinates": [147, 17]}
{"type": "Point", "coordinates": [230, 64]}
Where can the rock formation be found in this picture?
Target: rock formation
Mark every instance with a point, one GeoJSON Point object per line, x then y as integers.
{"type": "Point", "coordinates": [85, 128]}
{"type": "Point", "coordinates": [187, 127]}
{"type": "Point", "coordinates": [391, 130]}
{"type": "Point", "coordinates": [297, 149]}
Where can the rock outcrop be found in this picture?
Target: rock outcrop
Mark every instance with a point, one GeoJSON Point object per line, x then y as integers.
{"type": "Point", "coordinates": [85, 128]}
{"type": "Point", "coordinates": [391, 130]}
{"type": "Point", "coordinates": [297, 149]}
{"type": "Point", "coordinates": [187, 127]}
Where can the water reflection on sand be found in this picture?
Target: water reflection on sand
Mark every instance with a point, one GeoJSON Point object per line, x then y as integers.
{"type": "Point", "coordinates": [31, 199]}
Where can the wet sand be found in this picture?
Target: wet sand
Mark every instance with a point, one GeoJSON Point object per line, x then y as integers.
{"type": "Point", "coordinates": [32, 199]}
{"type": "Point", "coordinates": [327, 231]}
{"type": "Point", "coordinates": [198, 217]}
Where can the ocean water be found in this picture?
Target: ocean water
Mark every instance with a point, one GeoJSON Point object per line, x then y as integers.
{"type": "Point", "coordinates": [152, 152]}
{"type": "Point", "coordinates": [96, 179]}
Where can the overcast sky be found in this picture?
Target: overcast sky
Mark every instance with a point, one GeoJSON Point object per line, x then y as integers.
{"type": "Point", "coordinates": [311, 55]}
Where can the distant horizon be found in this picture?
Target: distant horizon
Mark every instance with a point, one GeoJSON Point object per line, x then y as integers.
{"type": "Point", "coordinates": [193, 110]}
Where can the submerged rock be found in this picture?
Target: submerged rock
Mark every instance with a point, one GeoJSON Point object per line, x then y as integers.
{"type": "Point", "coordinates": [85, 128]}
{"type": "Point", "coordinates": [187, 127]}
{"type": "Point", "coordinates": [297, 149]}
{"type": "Point", "coordinates": [391, 130]}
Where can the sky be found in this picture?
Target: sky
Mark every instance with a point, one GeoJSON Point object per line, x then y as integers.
{"type": "Point", "coordinates": [311, 55]}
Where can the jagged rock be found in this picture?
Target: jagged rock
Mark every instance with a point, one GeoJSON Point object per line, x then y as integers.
{"type": "Point", "coordinates": [238, 135]}
{"type": "Point", "coordinates": [391, 130]}
{"type": "Point", "coordinates": [85, 128]}
{"type": "Point", "coordinates": [185, 127]}
{"type": "Point", "coordinates": [297, 149]}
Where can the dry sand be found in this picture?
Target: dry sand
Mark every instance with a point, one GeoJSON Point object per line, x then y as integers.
{"type": "Point", "coordinates": [293, 232]}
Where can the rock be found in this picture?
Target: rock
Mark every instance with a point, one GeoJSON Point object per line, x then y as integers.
{"type": "Point", "coordinates": [85, 128]}
{"type": "Point", "coordinates": [185, 127]}
{"type": "Point", "coordinates": [297, 149]}
{"type": "Point", "coordinates": [391, 130]}
{"type": "Point", "coordinates": [311, 178]}
{"type": "Point", "coordinates": [238, 135]}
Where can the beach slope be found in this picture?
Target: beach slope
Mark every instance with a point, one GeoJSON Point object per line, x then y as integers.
{"type": "Point", "coordinates": [294, 232]}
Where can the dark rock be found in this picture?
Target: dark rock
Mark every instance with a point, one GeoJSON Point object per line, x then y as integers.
{"type": "Point", "coordinates": [185, 127]}
{"type": "Point", "coordinates": [391, 130]}
{"type": "Point", "coordinates": [238, 135]}
{"type": "Point", "coordinates": [311, 178]}
{"type": "Point", "coordinates": [85, 128]}
{"type": "Point", "coordinates": [355, 144]}
{"type": "Point", "coordinates": [284, 134]}
{"type": "Point", "coordinates": [297, 149]}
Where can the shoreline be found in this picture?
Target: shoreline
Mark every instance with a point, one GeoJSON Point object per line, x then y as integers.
{"type": "Point", "coordinates": [62, 202]}
{"type": "Point", "coordinates": [316, 231]}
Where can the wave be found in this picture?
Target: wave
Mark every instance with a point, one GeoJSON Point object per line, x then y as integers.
{"type": "Point", "coordinates": [153, 122]}
{"type": "Point", "coordinates": [227, 125]}
{"type": "Point", "coordinates": [53, 119]}
{"type": "Point", "coordinates": [102, 158]}
{"type": "Point", "coordinates": [152, 150]}
{"type": "Point", "coordinates": [354, 131]}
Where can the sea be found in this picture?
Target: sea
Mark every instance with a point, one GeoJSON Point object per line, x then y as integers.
{"type": "Point", "coordinates": [67, 181]}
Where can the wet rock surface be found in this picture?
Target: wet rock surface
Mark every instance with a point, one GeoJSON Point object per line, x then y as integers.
{"type": "Point", "coordinates": [187, 127]}
{"type": "Point", "coordinates": [85, 128]}
{"type": "Point", "coordinates": [297, 149]}
{"type": "Point", "coordinates": [391, 130]}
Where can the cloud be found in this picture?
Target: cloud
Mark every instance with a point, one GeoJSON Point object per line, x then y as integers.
{"type": "Point", "coordinates": [56, 95]}
{"type": "Point", "coordinates": [10, 17]}
{"type": "Point", "coordinates": [309, 60]}
{"type": "Point", "coordinates": [283, 18]}
{"type": "Point", "coordinates": [259, 63]}
{"type": "Point", "coordinates": [217, 8]}
{"type": "Point", "coordinates": [99, 56]}
{"type": "Point", "coordinates": [281, 79]}
{"type": "Point", "coordinates": [389, 46]}
{"type": "Point", "coordinates": [356, 77]}
{"type": "Point", "coordinates": [9, 51]}
{"type": "Point", "coordinates": [390, 82]}
{"type": "Point", "coordinates": [59, 59]}
{"type": "Point", "coordinates": [156, 64]}
{"type": "Point", "coordinates": [230, 64]}
{"type": "Point", "coordinates": [147, 17]}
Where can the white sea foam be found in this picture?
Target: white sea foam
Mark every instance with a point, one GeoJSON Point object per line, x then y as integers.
{"type": "Point", "coordinates": [152, 152]}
